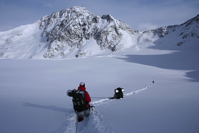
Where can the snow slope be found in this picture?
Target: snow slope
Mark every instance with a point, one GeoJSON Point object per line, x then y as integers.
{"type": "Point", "coordinates": [76, 33]}
{"type": "Point", "coordinates": [33, 94]}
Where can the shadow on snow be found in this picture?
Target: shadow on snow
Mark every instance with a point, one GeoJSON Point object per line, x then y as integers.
{"type": "Point", "coordinates": [176, 61]}
{"type": "Point", "coordinates": [50, 107]}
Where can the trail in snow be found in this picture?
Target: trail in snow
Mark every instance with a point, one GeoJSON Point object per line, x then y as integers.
{"type": "Point", "coordinates": [68, 126]}
{"type": "Point", "coordinates": [104, 100]}
{"type": "Point", "coordinates": [135, 92]}
{"type": "Point", "coordinates": [94, 123]}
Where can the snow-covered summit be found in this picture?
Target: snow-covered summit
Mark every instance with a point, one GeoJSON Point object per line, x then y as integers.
{"type": "Point", "coordinates": [72, 28]}
{"type": "Point", "coordinates": [75, 32]}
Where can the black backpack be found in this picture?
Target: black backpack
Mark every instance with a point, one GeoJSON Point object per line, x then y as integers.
{"type": "Point", "coordinates": [118, 93]}
{"type": "Point", "coordinates": [79, 102]}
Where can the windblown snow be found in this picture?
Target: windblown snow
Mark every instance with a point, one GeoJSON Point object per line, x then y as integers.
{"type": "Point", "coordinates": [105, 53]}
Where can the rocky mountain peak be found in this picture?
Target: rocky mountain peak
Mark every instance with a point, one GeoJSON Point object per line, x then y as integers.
{"type": "Point", "coordinates": [70, 28]}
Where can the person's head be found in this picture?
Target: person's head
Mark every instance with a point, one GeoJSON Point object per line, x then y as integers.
{"type": "Point", "coordinates": [82, 84]}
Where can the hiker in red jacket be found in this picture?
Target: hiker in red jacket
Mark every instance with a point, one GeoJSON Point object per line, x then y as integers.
{"type": "Point", "coordinates": [86, 111]}
{"type": "Point", "coordinates": [87, 98]}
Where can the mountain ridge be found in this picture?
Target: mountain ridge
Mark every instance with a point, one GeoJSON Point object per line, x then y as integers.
{"type": "Point", "coordinates": [75, 32]}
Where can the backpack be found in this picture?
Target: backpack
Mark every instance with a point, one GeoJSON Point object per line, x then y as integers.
{"type": "Point", "coordinates": [79, 102]}
{"type": "Point", "coordinates": [118, 93]}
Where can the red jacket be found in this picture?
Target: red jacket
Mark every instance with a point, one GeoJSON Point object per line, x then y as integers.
{"type": "Point", "coordinates": [87, 98]}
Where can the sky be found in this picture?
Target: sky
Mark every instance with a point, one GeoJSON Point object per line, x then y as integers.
{"type": "Point", "coordinates": [138, 14]}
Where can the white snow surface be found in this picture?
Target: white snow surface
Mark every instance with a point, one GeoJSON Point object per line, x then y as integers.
{"type": "Point", "coordinates": [33, 93]}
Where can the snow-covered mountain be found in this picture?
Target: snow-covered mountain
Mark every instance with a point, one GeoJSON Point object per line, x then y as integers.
{"type": "Point", "coordinates": [74, 28]}
{"type": "Point", "coordinates": [177, 35]}
{"type": "Point", "coordinates": [75, 32]}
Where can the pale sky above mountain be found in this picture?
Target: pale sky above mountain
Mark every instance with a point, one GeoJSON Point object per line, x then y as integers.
{"type": "Point", "coordinates": [138, 14]}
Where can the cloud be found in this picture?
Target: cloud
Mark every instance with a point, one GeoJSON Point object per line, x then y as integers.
{"type": "Point", "coordinates": [146, 26]}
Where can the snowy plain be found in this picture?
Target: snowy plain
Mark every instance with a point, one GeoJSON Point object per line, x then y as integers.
{"type": "Point", "coordinates": [33, 93]}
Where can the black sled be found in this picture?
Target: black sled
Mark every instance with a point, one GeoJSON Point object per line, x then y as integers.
{"type": "Point", "coordinates": [118, 93]}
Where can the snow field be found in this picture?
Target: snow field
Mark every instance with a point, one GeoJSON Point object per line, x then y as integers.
{"type": "Point", "coordinates": [33, 96]}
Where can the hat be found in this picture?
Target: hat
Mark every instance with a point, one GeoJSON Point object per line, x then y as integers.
{"type": "Point", "coordinates": [82, 83]}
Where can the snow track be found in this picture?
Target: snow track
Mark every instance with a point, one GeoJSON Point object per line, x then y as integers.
{"type": "Point", "coordinates": [95, 123]}
{"type": "Point", "coordinates": [135, 92]}
{"type": "Point", "coordinates": [105, 100]}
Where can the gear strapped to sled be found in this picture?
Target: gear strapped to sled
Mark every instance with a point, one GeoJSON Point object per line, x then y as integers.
{"type": "Point", "coordinates": [79, 102]}
{"type": "Point", "coordinates": [118, 93]}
